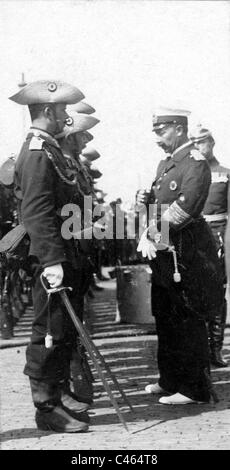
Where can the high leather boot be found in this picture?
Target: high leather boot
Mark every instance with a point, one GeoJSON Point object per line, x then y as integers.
{"type": "Point", "coordinates": [216, 338]}
{"type": "Point", "coordinates": [70, 400]}
{"type": "Point", "coordinates": [50, 414]}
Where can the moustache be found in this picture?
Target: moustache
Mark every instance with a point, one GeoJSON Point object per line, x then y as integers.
{"type": "Point", "coordinates": [161, 145]}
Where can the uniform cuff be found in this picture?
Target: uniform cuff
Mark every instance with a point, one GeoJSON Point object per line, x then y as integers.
{"type": "Point", "coordinates": [176, 216]}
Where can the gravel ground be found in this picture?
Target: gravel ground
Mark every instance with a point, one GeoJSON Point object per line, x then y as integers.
{"type": "Point", "coordinates": [151, 426]}
{"type": "Point", "coordinates": [130, 351]}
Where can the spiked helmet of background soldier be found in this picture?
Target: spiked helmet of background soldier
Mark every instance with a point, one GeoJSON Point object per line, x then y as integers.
{"type": "Point", "coordinates": [203, 140]}
{"type": "Point", "coordinates": [215, 212]}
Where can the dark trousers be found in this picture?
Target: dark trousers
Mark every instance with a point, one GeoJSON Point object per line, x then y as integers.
{"type": "Point", "coordinates": [216, 325]}
{"type": "Point", "coordinates": [53, 364]}
{"type": "Point", "coordinates": [183, 358]}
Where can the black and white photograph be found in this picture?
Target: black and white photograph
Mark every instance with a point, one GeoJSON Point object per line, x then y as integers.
{"type": "Point", "coordinates": [115, 230]}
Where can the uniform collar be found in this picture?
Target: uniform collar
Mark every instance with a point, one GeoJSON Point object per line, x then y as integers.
{"type": "Point", "coordinates": [177, 156]}
{"type": "Point", "coordinates": [45, 135]}
{"type": "Point", "coordinates": [182, 151]}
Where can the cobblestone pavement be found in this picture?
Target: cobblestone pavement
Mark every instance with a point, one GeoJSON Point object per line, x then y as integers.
{"type": "Point", "coordinates": [131, 355]}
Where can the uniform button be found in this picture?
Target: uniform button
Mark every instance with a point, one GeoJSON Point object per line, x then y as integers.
{"type": "Point", "coordinates": [160, 179]}
{"type": "Point", "coordinates": [158, 186]}
{"type": "Point", "coordinates": [156, 200]}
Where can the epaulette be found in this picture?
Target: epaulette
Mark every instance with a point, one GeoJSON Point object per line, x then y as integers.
{"type": "Point", "coordinates": [219, 177]}
{"type": "Point", "coordinates": [196, 155]}
{"type": "Point", "coordinates": [36, 143]}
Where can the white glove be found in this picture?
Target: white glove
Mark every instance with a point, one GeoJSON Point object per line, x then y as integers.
{"type": "Point", "coordinates": [54, 275]}
{"type": "Point", "coordinates": [146, 246]}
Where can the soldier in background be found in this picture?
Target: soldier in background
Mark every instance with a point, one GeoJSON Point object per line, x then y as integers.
{"type": "Point", "coordinates": [227, 244]}
{"type": "Point", "coordinates": [8, 202]}
{"type": "Point", "coordinates": [72, 144]}
{"type": "Point", "coordinates": [215, 212]}
{"type": "Point", "coordinates": [11, 305]}
{"type": "Point", "coordinates": [88, 157]}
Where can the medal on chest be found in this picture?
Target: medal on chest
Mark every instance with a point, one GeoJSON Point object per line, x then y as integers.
{"type": "Point", "coordinates": [173, 185]}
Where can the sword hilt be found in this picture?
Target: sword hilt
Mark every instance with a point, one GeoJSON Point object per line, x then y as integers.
{"type": "Point", "coordinates": [52, 290]}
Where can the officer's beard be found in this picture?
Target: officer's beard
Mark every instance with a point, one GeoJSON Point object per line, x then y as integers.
{"type": "Point", "coordinates": [208, 155]}
{"type": "Point", "coordinates": [178, 142]}
{"type": "Point", "coordinates": [169, 149]}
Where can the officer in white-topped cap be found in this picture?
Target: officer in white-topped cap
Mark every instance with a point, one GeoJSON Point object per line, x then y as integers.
{"type": "Point", "coordinates": [215, 212]}
{"type": "Point", "coordinates": [164, 115]}
{"type": "Point", "coordinates": [185, 270]}
{"type": "Point", "coordinates": [43, 185]}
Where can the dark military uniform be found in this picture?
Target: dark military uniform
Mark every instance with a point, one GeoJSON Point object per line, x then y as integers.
{"type": "Point", "coordinates": [182, 308]}
{"type": "Point", "coordinates": [215, 213]}
{"type": "Point", "coordinates": [227, 241]}
{"type": "Point", "coordinates": [44, 182]}
{"type": "Point", "coordinates": [71, 146]}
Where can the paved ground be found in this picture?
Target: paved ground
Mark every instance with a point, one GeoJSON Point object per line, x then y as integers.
{"type": "Point", "coordinates": [130, 351]}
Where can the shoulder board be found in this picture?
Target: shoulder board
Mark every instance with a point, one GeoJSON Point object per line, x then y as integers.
{"type": "Point", "coordinates": [219, 177]}
{"type": "Point", "coordinates": [36, 143]}
{"type": "Point", "coordinates": [196, 155]}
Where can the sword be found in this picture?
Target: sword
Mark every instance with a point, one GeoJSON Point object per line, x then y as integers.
{"type": "Point", "coordinates": [91, 348]}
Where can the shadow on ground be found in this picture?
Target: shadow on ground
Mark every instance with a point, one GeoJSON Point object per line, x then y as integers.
{"type": "Point", "coordinates": [132, 360]}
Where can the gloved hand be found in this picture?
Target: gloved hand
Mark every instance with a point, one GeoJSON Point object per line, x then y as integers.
{"type": "Point", "coordinates": [54, 275]}
{"type": "Point", "coordinates": [142, 196]}
{"type": "Point", "coordinates": [146, 246]}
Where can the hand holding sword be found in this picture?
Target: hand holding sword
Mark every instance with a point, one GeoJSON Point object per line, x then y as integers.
{"type": "Point", "coordinates": [90, 347]}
